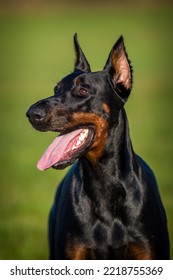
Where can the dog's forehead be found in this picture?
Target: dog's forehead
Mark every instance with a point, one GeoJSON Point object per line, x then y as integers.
{"type": "Point", "coordinates": [91, 77]}
{"type": "Point", "coordinates": [71, 77]}
{"type": "Point", "coordinates": [83, 77]}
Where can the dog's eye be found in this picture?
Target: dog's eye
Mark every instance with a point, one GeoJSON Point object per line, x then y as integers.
{"type": "Point", "coordinates": [82, 92]}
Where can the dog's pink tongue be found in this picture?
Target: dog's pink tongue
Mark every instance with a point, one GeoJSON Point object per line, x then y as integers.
{"type": "Point", "coordinates": [55, 151]}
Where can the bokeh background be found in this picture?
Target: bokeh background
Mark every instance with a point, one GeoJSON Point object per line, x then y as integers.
{"type": "Point", "coordinates": [36, 50]}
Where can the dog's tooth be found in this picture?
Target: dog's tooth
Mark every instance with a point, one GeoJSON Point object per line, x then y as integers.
{"type": "Point", "coordinates": [74, 148]}
{"type": "Point", "coordinates": [78, 142]}
{"type": "Point", "coordinates": [81, 137]}
{"type": "Point", "coordinates": [86, 133]}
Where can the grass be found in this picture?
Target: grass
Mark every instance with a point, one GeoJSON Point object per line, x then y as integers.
{"type": "Point", "coordinates": [36, 50]}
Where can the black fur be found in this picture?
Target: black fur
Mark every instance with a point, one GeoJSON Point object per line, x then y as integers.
{"type": "Point", "coordinates": [108, 206]}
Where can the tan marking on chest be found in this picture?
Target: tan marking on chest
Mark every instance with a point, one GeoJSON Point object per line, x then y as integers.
{"type": "Point", "coordinates": [139, 252]}
{"type": "Point", "coordinates": [78, 252]}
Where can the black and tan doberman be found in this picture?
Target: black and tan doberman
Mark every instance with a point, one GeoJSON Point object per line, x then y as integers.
{"type": "Point", "coordinates": [108, 205]}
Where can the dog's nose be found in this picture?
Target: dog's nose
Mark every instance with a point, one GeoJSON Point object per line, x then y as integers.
{"type": "Point", "coordinates": [36, 114]}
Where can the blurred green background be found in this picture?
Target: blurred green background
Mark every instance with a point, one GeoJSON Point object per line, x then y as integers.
{"type": "Point", "coordinates": [36, 50]}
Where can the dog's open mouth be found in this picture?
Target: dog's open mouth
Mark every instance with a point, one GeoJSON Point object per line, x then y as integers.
{"type": "Point", "coordinates": [66, 148]}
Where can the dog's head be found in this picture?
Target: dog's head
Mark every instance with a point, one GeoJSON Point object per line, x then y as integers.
{"type": "Point", "coordinates": [84, 106]}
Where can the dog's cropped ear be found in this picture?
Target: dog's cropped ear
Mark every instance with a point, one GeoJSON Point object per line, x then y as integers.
{"type": "Point", "coordinates": [81, 62]}
{"type": "Point", "coordinates": [120, 70]}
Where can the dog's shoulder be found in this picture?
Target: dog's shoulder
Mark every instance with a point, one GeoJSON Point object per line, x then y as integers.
{"type": "Point", "coordinates": [147, 171]}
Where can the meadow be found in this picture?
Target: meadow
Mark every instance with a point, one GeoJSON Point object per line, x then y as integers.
{"type": "Point", "coordinates": [36, 51]}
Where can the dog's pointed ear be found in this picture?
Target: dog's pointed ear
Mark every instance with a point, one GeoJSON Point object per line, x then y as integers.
{"type": "Point", "coordinates": [81, 62]}
{"type": "Point", "coordinates": [120, 70]}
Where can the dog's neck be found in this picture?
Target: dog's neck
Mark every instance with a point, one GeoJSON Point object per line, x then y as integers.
{"type": "Point", "coordinates": [115, 173]}
{"type": "Point", "coordinates": [118, 157]}
{"type": "Point", "coordinates": [119, 149]}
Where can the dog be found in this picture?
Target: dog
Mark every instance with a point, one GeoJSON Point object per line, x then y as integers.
{"type": "Point", "coordinates": [108, 205]}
